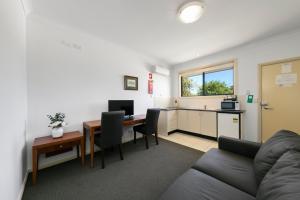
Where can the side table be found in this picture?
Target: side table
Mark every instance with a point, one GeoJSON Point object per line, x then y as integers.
{"type": "Point", "coordinates": [48, 144]}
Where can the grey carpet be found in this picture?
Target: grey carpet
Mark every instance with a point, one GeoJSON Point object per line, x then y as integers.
{"type": "Point", "coordinates": [142, 175]}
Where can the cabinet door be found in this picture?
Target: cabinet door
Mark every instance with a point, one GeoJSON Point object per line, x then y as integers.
{"type": "Point", "coordinates": [209, 123]}
{"type": "Point", "coordinates": [194, 121]}
{"type": "Point", "coordinates": [172, 120]}
{"type": "Point", "coordinates": [228, 125]}
{"type": "Point", "coordinates": [162, 123]}
{"type": "Point", "coordinates": [183, 120]}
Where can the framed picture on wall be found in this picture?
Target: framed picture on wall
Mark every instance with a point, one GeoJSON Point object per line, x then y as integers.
{"type": "Point", "coordinates": [131, 83]}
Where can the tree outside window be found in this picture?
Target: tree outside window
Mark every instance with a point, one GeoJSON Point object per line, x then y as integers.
{"type": "Point", "coordinates": [208, 83]}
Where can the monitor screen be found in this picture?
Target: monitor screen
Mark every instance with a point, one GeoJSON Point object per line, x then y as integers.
{"type": "Point", "coordinates": [117, 105]}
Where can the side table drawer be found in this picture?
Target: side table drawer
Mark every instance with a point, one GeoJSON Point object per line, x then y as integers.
{"type": "Point", "coordinates": [59, 147]}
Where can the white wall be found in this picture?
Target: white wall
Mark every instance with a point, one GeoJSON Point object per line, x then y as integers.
{"type": "Point", "coordinates": [76, 73]}
{"type": "Point", "coordinates": [248, 57]}
{"type": "Point", "coordinates": [13, 99]}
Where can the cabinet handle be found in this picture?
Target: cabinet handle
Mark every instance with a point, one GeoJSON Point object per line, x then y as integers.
{"type": "Point", "coordinates": [61, 146]}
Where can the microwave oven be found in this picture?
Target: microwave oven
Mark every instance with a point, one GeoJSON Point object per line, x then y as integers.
{"type": "Point", "coordinates": [230, 105]}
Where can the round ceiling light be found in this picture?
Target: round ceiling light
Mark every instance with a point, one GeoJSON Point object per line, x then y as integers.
{"type": "Point", "coordinates": [191, 12]}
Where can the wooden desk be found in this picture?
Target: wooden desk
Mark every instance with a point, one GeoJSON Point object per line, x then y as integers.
{"type": "Point", "coordinates": [48, 144]}
{"type": "Point", "coordinates": [91, 126]}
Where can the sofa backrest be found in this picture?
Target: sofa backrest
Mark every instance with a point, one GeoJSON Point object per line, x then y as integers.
{"type": "Point", "coordinates": [272, 150]}
{"type": "Point", "coordinates": [282, 182]}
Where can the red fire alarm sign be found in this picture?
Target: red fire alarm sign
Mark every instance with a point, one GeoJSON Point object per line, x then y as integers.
{"type": "Point", "coordinates": [150, 86]}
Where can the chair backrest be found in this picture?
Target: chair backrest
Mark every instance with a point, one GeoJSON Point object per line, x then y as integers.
{"type": "Point", "coordinates": [152, 120]}
{"type": "Point", "coordinates": [111, 128]}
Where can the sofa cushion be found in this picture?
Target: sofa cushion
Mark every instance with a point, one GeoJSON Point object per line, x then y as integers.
{"type": "Point", "coordinates": [282, 182]}
{"type": "Point", "coordinates": [195, 185]}
{"type": "Point", "coordinates": [272, 150]}
{"type": "Point", "coordinates": [230, 168]}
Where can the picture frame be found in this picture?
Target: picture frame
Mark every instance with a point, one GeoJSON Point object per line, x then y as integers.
{"type": "Point", "coordinates": [131, 83]}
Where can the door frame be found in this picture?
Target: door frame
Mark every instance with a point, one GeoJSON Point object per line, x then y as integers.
{"type": "Point", "coordinates": [260, 66]}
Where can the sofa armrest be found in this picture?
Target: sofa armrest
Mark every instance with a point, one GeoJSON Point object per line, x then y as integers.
{"type": "Point", "coordinates": [241, 147]}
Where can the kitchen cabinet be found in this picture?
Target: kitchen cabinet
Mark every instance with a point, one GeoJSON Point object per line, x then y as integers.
{"type": "Point", "coordinates": [208, 123]}
{"type": "Point", "coordinates": [199, 122]}
{"type": "Point", "coordinates": [183, 120]}
{"type": "Point", "coordinates": [167, 121]}
{"type": "Point", "coordinates": [202, 122]}
{"type": "Point", "coordinates": [193, 121]}
{"type": "Point", "coordinates": [172, 120]}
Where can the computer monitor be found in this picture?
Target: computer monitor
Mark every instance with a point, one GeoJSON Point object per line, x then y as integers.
{"type": "Point", "coordinates": [126, 105]}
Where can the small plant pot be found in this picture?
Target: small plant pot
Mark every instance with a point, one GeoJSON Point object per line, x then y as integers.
{"type": "Point", "coordinates": [57, 132]}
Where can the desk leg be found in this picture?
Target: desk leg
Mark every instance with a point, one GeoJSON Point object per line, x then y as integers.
{"type": "Point", "coordinates": [92, 146]}
{"type": "Point", "coordinates": [34, 165]}
{"type": "Point", "coordinates": [84, 142]}
{"type": "Point", "coordinates": [82, 146]}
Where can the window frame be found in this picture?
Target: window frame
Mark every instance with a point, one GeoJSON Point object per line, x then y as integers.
{"type": "Point", "coordinates": [191, 75]}
{"type": "Point", "coordinates": [209, 69]}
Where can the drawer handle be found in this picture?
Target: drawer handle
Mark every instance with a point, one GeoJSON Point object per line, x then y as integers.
{"type": "Point", "coordinates": [61, 146]}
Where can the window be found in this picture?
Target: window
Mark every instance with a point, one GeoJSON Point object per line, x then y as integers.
{"type": "Point", "coordinates": [208, 83]}
{"type": "Point", "coordinates": [219, 82]}
{"type": "Point", "coordinates": [192, 85]}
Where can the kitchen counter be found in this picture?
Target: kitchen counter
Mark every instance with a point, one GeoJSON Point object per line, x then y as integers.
{"type": "Point", "coordinates": [206, 110]}
{"type": "Point", "coordinates": [207, 123]}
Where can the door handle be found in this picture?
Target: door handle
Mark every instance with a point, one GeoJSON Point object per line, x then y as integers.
{"type": "Point", "coordinates": [265, 106]}
{"type": "Point", "coordinates": [268, 108]}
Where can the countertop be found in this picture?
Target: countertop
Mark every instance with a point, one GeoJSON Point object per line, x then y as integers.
{"type": "Point", "coordinates": [206, 110]}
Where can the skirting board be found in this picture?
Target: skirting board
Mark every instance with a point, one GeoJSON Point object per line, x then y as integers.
{"type": "Point", "coordinates": [193, 134]}
{"type": "Point", "coordinates": [23, 186]}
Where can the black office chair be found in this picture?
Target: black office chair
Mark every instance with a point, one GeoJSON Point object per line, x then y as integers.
{"type": "Point", "coordinates": [111, 132]}
{"type": "Point", "coordinates": [150, 126]}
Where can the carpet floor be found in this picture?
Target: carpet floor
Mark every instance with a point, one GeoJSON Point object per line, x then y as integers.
{"type": "Point", "coordinates": [142, 175]}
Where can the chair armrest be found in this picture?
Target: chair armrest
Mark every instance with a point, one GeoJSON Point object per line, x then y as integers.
{"type": "Point", "coordinates": [241, 147]}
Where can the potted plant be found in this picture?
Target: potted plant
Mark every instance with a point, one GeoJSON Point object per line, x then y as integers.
{"type": "Point", "coordinates": [57, 122]}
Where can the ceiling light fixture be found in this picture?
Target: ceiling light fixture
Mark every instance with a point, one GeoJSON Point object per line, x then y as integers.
{"type": "Point", "coordinates": [191, 12]}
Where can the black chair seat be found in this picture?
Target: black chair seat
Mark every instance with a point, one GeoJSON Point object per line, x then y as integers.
{"type": "Point", "coordinates": [140, 128]}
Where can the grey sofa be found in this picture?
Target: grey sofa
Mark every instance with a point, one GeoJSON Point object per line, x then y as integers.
{"type": "Point", "coordinates": [243, 170]}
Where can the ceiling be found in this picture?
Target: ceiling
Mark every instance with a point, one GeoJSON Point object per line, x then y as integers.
{"type": "Point", "coordinates": [152, 28]}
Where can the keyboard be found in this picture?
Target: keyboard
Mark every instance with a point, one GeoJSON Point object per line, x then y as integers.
{"type": "Point", "coordinates": [128, 117]}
